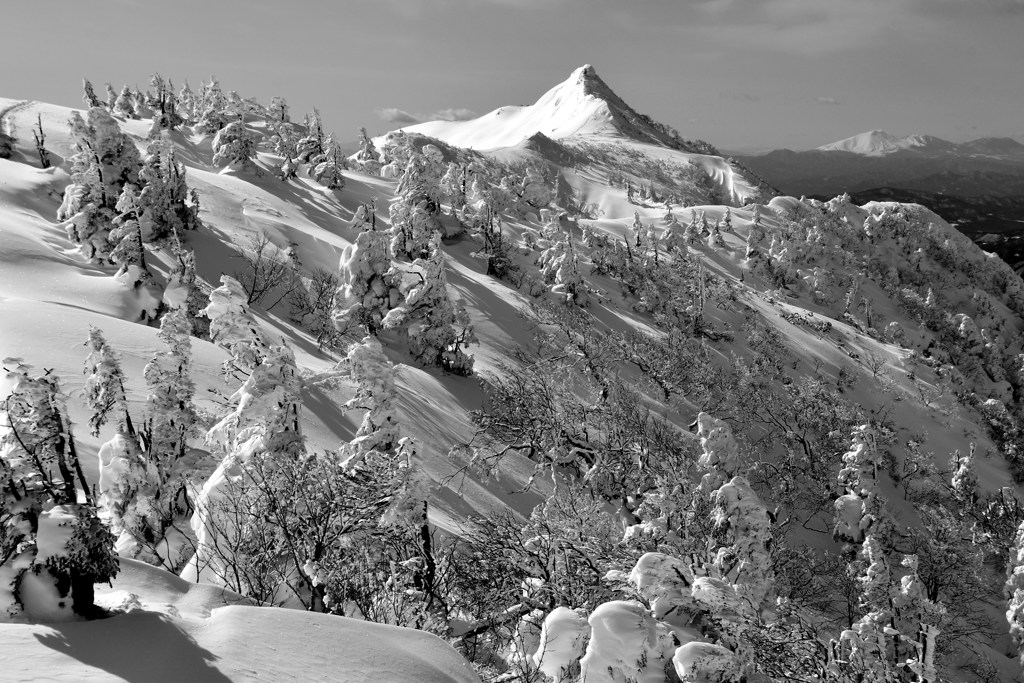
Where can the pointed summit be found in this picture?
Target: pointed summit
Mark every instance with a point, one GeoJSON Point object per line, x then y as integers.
{"type": "Point", "coordinates": [581, 105]}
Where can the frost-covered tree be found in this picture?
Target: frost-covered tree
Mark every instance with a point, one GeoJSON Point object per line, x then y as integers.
{"type": "Point", "coordinates": [234, 144]}
{"type": "Point", "coordinates": [89, 96]}
{"type": "Point", "coordinates": [167, 205]}
{"type": "Point", "coordinates": [233, 327]}
{"type": "Point", "coordinates": [860, 509]}
{"type": "Point", "coordinates": [105, 160]}
{"type": "Point", "coordinates": [453, 187]}
{"type": "Point", "coordinates": [437, 327]}
{"type": "Point", "coordinates": [279, 109]}
{"type": "Point", "coordinates": [264, 425]}
{"type": "Point", "coordinates": [153, 516]}
{"type": "Point", "coordinates": [559, 265]}
{"type": "Point", "coordinates": [184, 292]}
{"type": "Point", "coordinates": [312, 144]}
{"type": "Point", "coordinates": [326, 168]}
{"type": "Point", "coordinates": [210, 108]}
{"type": "Point", "coordinates": [367, 157]}
{"type": "Point", "coordinates": [374, 376]}
{"type": "Point", "coordinates": [369, 286]}
{"type": "Point", "coordinates": [53, 548]}
{"type": "Point", "coordinates": [1014, 591]}
{"type": "Point", "coordinates": [415, 213]}
{"type": "Point", "coordinates": [164, 103]}
{"type": "Point", "coordinates": [123, 471]}
{"type": "Point", "coordinates": [124, 105]}
{"type": "Point", "coordinates": [129, 254]}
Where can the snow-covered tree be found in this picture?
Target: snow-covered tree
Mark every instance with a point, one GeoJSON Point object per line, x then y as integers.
{"type": "Point", "coordinates": [453, 187]}
{"type": "Point", "coordinates": [151, 494]}
{"type": "Point", "coordinates": [89, 97]}
{"type": "Point", "coordinates": [210, 108]}
{"type": "Point", "coordinates": [233, 327]}
{"type": "Point", "coordinates": [559, 265]}
{"type": "Point", "coordinates": [128, 253]}
{"type": "Point", "coordinates": [1014, 591]}
{"type": "Point", "coordinates": [105, 160]}
{"type": "Point", "coordinates": [54, 548]}
{"type": "Point", "coordinates": [312, 144]}
{"type": "Point", "coordinates": [184, 292]}
{"type": "Point", "coordinates": [367, 157]}
{"type": "Point", "coordinates": [438, 328]}
{"type": "Point", "coordinates": [374, 376]}
{"type": "Point", "coordinates": [124, 105]}
{"type": "Point", "coordinates": [326, 168]}
{"type": "Point", "coordinates": [234, 144]}
{"type": "Point", "coordinates": [279, 109]}
{"type": "Point", "coordinates": [860, 509]}
{"type": "Point", "coordinates": [167, 205]}
{"type": "Point", "coordinates": [415, 213]}
{"type": "Point", "coordinates": [369, 286]}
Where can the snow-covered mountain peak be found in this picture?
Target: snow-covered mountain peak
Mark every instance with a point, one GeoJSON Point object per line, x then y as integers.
{"type": "Point", "coordinates": [880, 143]}
{"type": "Point", "coordinates": [582, 104]}
{"type": "Point", "coordinates": [871, 143]}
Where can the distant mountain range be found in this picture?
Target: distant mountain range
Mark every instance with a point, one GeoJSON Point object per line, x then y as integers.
{"type": "Point", "coordinates": [877, 143]}
{"type": "Point", "coordinates": [978, 185]}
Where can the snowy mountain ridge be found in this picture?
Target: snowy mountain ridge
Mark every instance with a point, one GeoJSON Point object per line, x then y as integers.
{"type": "Point", "coordinates": [831, 357]}
{"type": "Point", "coordinates": [877, 143]}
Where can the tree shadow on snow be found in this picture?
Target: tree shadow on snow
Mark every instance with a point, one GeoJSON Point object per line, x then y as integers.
{"type": "Point", "coordinates": [142, 647]}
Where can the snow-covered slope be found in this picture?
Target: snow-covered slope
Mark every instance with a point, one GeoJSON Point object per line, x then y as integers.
{"type": "Point", "coordinates": [836, 293]}
{"type": "Point", "coordinates": [168, 630]}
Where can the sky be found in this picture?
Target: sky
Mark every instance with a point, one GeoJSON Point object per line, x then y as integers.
{"type": "Point", "coordinates": [741, 74]}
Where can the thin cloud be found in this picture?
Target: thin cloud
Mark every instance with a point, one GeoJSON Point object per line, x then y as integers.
{"type": "Point", "coordinates": [827, 100]}
{"type": "Point", "coordinates": [396, 115]}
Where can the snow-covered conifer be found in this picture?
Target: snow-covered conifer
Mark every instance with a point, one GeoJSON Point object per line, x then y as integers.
{"type": "Point", "coordinates": [1014, 591]}
{"type": "Point", "coordinates": [183, 292]}
{"type": "Point", "coordinates": [743, 531]}
{"type": "Point", "coordinates": [89, 97]}
{"type": "Point", "coordinates": [234, 144]}
{"type": "Point", "coordinates": [326, 168]}
{"type": "Point", "coordinates": [312, 143]}
{"type": "Point", "coordinates": [128, 253]}
{"type": "Point", "coordinates": [715, 240]}
{"type": "Point", "coordinates": [374, 376]}
{"type": "Point", "coordinates": [965, 479]}
{"type": "Point", "coordinates": [415, 213]}
{"type": "Point", "coordinates": [560, 266]}
{"type": "Point", "coordinates": [369, 288]}
{"type": "Point", "coordinates": [859, 510]}
{"type": "Point", "coordinates": [279, 109]}
{"type": "Point", "coordinates": [367, 157]}
{"type": "Point", "coordinates": [210, 107]}
{"type": "Point", "coordinates": [453, 187]}
{"type": "Point", "coordinates": [721, 454]}
{"type": "Point", "coordinates": [124, 105]}
{"type": "Point", "coordinates": [105, 160]}
{"type": "Point", "coordinates": [233, 327]}
{"type": "Point", "coordinates": [438, 328]}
